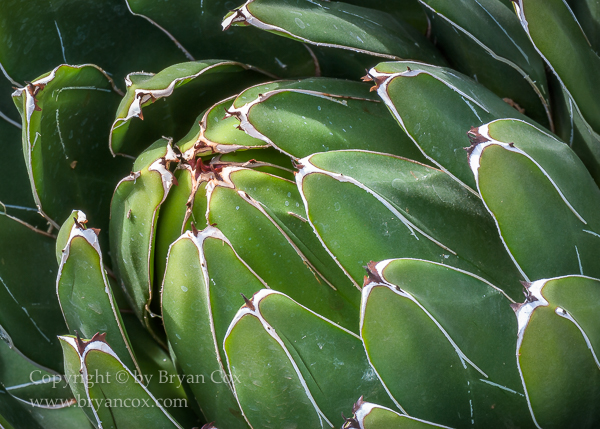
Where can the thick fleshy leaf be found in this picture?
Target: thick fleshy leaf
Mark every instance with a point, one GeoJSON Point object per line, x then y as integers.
{"type": "Point", "coordinates": [205, 83]}
{"type": "Point", "coordinates": [197, 27]}
{"type": "Point", "coordinates": [366, 206]}
{"type": "Point", "coordinates": [159, 374]}
{"type": "Point", "coordinates": [30, 317]}
{"type": "Point", "coordinates": [263, 218]}
{"type": "Point", "coordinates": [102, 33]}
{"type": "Point", "coordinates": [406, 10]}
{"type": "Point", "coordinates": [560, 40]}
{"type": "Point", "coordinates": [543, 200]}
{"type": "Point", "coordinates": [29, 382]}
{"type": "Point", "coordinates": [442, 341]}
{"type": "Point", "coordinates": [66, 115]}
{"type": "Point", "coordinates": [83, 290]}
{"type": "Point", "coordinates": [117, 396]}
{"type": "Point", "coordinates": [16, 200]}
{"type": "Point", "coordinates": [373, 416]}
{"type": "Point", "coordinates": [214, 132]}
{"type": "Point", "coordinates": [18, 414]}
{"type": "Point", "coordinates": [292, 366]}
{"type": "Point", "coordinates": [587, 13]}
{"type": "Point", "coordinates": [337, 25]}
{"type": "Point", "coordinates": [200, 297]}
{"type": "Point", "coordinates": [484, 39]}
{"type": "Point", "coordinates": [322, 114]}
{"type": "Point", "coordinates": [443, 106]}
{"type": "Point", "coordinates": [134, 211]}
{"type": "Point", "coordinates": [558, 351]}
{"type": "Point", "coordinates": [570, 126]}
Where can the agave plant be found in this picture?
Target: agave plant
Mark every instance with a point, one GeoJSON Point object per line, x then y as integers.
{"type": "Point", "coordinates": [266, 241]}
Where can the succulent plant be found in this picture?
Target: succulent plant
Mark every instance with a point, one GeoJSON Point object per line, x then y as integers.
{"type": "Point", "coordinates": [265, 241]}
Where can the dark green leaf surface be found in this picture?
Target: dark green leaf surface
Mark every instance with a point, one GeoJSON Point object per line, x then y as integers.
{"type": "Point", "coordinates": [37, 36]}
{"type": "Point", "coordinates": [443, 106]}
{"type": "Point", "coordinates": [84, 293]}
{"type": "Point", "coordinates": [366, 206]}
{"type": "Point", "coordinates": [197, 27]}
{"type": "Point", "coordinates": [558, 349]}
{"type": "Point", "coordinates": [159, 374]}
{"type": "Point", "coordinates": [484, 39]}
{"type": "Point", "coordinates": [297, 360]}
{"type": "Point", "coordinates": [322, 114]}
{"type": "Point", "coordinates": [443, 343]}
{"type": "Point", "coordinates": [263, 218]}
{"type": "Point", "coordinates": [119, 399]}
{"type": "Point", "coordinates": [200, 296]}
{"type": "Point", "coordinates": [134, 210]}
{"type": "Point", "coordinates": [168, 109]}
{"type": "Point", "coordinates": [545, 203]}
{"type": "Point", "coordinates": [560, 40]}
{"type": "Point", "coordinates": [30, 317]}
{"type": "Point", "coordinates": [27, 381]}
{"type": "Point", "coordinates": [66, 115]}
{"type": "Point", "coordinates": [16, 414]}
{"type": "Point", "coordinates": [572, 129]}
{"type": "Point", "coordinates": [339, 25]}
{"type": "Point", "coordinates": [16, 199]}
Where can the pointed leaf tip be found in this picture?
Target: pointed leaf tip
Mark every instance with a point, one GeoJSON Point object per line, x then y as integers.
{"type": "Point", "coordinates": [372, 274]}
{"type": "Point", "coordinates": [249, 303]}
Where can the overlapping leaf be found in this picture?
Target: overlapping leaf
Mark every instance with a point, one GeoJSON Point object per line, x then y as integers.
{"type": "Point", "coordinates": [206, 82]}
{"type": "Point", "coordinates": [559, 334]}
{"type": "Point", "coordinates": [543, 200]}
{"type": "Point", "coordinates": [443, 343]}
{"type": "Point", "coordinates": [65, 115]}
{"type": "Point", "coordinates": [292, 366]}
{"type": "Point", "coordinates": [322, 114]}
{"type": "Point", "coordinates": [339, 25]}
{"type": "Point", "coordinates": [484, 39]}
{"type": "Point", "coordinates": [366, 206]}
{"type": "Point", "coordinates": [443, 106]}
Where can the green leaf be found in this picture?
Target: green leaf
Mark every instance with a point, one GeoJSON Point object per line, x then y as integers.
{"type": "Point", "coordinates": [159, 374]}
{"type": "Point", "coordinates": [406, 10]}
{"type": "Point", "coordinates": [587, 14]}
{"type": "Point", "coordinates": [68, 163]}
{"type": "Point", "coordinates": [289, 364]}
{"type": "Point", "coordinates": [30, 317]}
{"type": "Point", "coordinates": [321, 114]}
{"type": "Point", "coordinates": [214, 132]}
{"type": "Point", "coordinates": [102, 33]}
{"type": "Point", "coordinates": [373, 416]}
{"type": "Point", "coordinates": [484, 39]}
{"type": "Point", "coordinates": [134, 211]}
{"type": "Point", "coordinates": [118, 398]}
{"type": "Point", "coordinates": [557, 351]}
{"type": "Point", "coordinates": [443, 342]}
{"type": "Point", "coordinates": [27, 381]}
{"type": "Point", "coordinates": [205, 83]}
{"type": "Point", "coordinates": [542, 198]}
{"type": "Point", "coordinates": [263, 218]}
{"type": "Point", "coordinates": [366, 206]}
{"type": "Point", "coordinates": [16, 199]}
{"type": "Point", "coordinates": [572, 129]}
{"type": "Point", "coordinates": [196, 26]}
{"type": "Point", "coordinates": [339, 25]}
{"type": "Point", "coordinates": [200, 296]}
{"type": "Point", "coordinates": [17, 414]}
{"type": "Point", "coordinates": [560, 40]}
{"type": "Point", "coordinates": [83, 290]}
{"type": "Point", "coordinates": [443, 106]}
